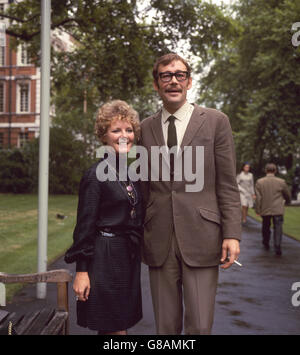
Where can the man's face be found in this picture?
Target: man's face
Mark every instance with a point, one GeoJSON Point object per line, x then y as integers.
{"type": "Point", "coordinates": [174, 92]}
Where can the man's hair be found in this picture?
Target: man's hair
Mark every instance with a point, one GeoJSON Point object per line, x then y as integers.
{"type": "Point", "coordinates": [270, 168]}
{"type": "Point", "coordinates": [167, 59]}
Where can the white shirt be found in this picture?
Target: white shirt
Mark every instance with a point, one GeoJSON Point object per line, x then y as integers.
{"type": "Point", "coordinates": [183, 115]}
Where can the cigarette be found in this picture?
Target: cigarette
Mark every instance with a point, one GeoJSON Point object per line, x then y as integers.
{"type": "Point", "coordinates": [239, 264]}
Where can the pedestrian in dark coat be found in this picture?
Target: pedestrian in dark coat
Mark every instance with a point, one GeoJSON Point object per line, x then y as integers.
{"type": "Point", "coordinates": [271, 195]}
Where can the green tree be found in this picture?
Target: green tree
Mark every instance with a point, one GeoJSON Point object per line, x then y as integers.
{"type": "Point", "coordinates": [256, 81]}
{"type": "Point", "coordinates": [116, 45]}
{"type": "Point", "coordinates": [117, 42]}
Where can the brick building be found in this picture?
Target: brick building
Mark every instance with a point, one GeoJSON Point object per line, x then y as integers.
{"type": "Point", "coordinates": [19, 92]}
{"type": "Point", "coordinates": [20, 88]}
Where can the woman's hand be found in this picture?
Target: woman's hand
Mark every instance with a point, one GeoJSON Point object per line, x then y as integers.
{"type": "Point", "coordinates": [82, 286]}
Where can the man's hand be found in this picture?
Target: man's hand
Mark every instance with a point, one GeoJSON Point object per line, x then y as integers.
{"type": "Point", "coordinates": [81, 285]}
{"type": "Point", "coordinates": [230, 250]}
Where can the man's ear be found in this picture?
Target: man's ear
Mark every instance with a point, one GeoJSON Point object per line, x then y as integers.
{"type": "Point", "coordinates": [155, 85]}
{"type": "Point", "coordinates": [189, 83]}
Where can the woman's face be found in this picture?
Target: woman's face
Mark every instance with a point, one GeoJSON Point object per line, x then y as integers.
{"type": "Point", "coordinates": [246, 168]}
{"type": "Point", "coordinates": [120, 136]}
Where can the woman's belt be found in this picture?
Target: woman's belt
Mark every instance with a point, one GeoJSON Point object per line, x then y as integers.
{"type": "Point", "coordinates": [134, 235]}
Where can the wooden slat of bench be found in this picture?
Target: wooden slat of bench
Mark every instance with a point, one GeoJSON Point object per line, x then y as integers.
{"type": "Point", "coordinates": [6, 320]}
{"type": "Point", "coordinates": [60, 275]}
{"type": "Point", "coordinates": [25, 322]}
{"type": "Point", "coordinates": [46, 321]}
{"type": "Point", "coordinates": [40, 322]}
{"type": "Point", "coordinates": [56, 325]}
{"type": "Point", "coordinates": [3, 314]}
{"type": "Point", "coordinates": [11, 317]}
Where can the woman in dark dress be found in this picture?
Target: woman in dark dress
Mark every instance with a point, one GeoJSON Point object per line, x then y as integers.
{"type": "Point", "coordinates": [108, 232]}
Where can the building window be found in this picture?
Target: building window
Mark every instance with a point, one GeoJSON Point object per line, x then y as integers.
{"type": "Point", "coordinates": [2, 41]}
{"type": "Point", "coordinates": [2, 56]}
{"type": "Point", "coordinates": [23, 138]}
{"type": "Point", "coordinates": [23, 97]}
{"type": "Point", "coordinates": [1, 140]}
{"type": "Point", "coordinates": [24, 55]}
{"type": "Point", "coordinates": [2, 10]}
{"type": "Point", "coordinates": [2, 100]}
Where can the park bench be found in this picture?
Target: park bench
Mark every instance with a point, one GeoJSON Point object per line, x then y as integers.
{"type": "Point", "coordinates": [45, 321]}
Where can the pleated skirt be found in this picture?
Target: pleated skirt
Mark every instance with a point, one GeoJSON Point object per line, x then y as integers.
{"type": "Point", "coordinates": [115, 301]}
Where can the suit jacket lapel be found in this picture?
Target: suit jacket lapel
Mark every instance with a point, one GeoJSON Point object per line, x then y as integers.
{"type": "Point", "coordinates": [157, 129]}
{"type": "Point", "coordinates": [159, 136]}
{"type": "Point", "coordinates": [196, 121]}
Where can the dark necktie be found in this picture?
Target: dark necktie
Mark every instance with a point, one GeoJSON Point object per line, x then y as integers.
{"type": "Point", "coordinates": [172, 136]}
{"type": "Point", "coordinates": [172, 140]}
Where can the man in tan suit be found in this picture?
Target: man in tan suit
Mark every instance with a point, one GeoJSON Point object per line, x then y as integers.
{"type": "Point", "coordinates": [271, 195]}
{"type": "Point", "coordinates": [189, 229]}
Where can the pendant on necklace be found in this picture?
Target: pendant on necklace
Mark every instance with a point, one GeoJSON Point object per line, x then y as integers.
{"type": "Point", "coordinates": [129, 188]}
{"type": "Point", "coordinates": [133, 213]}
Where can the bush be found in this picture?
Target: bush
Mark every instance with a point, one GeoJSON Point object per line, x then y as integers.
{"type": "Point", "coordinates": [68, 159]}
{"type": "Point", "coordinates": [14, 172]}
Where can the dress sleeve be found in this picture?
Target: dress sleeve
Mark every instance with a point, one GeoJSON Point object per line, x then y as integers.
{"type": "Point", "coordinates": [252, 185]}
{"type": "Point", "coordinates": [238, 180]}
{"type": "Point", "coordinates": [82, 249]}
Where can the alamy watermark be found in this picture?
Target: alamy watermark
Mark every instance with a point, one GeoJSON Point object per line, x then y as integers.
{"type": "Point", "coordinates": [184, 169]}
{"type": "Point", "coordinates": [296, 296]}
{"type": "Point", "coordinates": [296, 35]}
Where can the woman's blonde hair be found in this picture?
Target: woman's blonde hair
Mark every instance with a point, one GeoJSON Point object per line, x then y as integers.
{"type": "Point", "coordinates": [116, 110]}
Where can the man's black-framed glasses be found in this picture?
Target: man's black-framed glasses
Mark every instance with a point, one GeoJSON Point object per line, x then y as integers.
{"type": "Point", "coordinates": [167, 76]}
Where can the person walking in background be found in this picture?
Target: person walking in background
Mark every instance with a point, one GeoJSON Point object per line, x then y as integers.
{"type": "Point", "coordinates": [188, 234]}
{"type": "Point", "coordinates": [271, 195]}
{"type": "Point", "coordinates": [108, 232]}
{"type": "Point", "coordinates": [246, 187]}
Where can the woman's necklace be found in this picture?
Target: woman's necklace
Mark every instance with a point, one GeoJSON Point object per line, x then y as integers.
{"type": "Point", "coordinates": [129, 190]}
{"type": "Point", "coordinates": [131, 195]}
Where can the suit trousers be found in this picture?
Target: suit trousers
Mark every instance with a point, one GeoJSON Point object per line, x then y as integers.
{"type": "Point", "coordinates": [277, 234]}
{"type": "Point", "coordinates": [179, 289]}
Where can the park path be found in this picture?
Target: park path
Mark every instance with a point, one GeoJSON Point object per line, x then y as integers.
{"type": "Point", "coordinates": [257, 298]}
{"type": "Point", "coordinates": [253, 299]}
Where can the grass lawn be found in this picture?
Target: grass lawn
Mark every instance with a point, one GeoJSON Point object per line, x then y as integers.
{"type": "Point", "coordinates": [291, 224]}
{"type": "Point", "coordinates": [18, 231]}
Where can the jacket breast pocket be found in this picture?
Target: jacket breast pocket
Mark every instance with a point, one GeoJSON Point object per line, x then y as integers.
{"type": "Point", "coordinates": [210, 215]}
{"type": "Point", "coordinates": [210, 227]}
